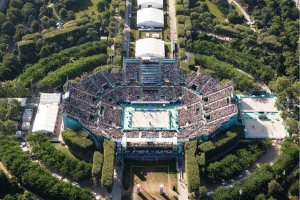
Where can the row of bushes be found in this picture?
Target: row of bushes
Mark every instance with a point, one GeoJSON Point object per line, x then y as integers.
{"type": "Point", "coordinates": [108, 165]}
{"type": "Point", "coordinates": [77, 141]}
{"type": "Point", "coordinates": [257, 182]}
{"type": "Point", "coordinates": [54, 61]}
{"type": "Point", "coordinates": [221, 144]}
{"type": "Point", "coordinates": [231, 165]}
{"type": "Point", "coordinates": [191, 166]}
{"type": "Point", "coordinates": [36, 178]}
{"type": "Point", "coordinates": [72, 70]}
{"type": "Point", "coordinates": [97, 166]}
{"type": "Point", "coordinates": [55, 158]}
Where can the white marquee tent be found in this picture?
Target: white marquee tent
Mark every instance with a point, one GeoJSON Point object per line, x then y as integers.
{"type": "Point", "coordinates": [150, 47]}
{"type": "Point", "coordinates": [150, 17]}
{"type": "Point", "coordinates": [45, 118]}
{"type": "Point", "coordinates": [50, 98]}
{"type": "Point", "coordinates": [150, 3]}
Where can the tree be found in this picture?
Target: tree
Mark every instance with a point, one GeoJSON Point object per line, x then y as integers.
{"type": "Point", "coordinates": [273, 187]}
{"type": "Point", "coordinates": [291, 125]}
{"type": "Point", "coordinates": [260, 197]}
{"type": "Point", "coordinates": [8, 28]}
{"type": "Point", "coordinates": [44, 52]}
{"type": "Point", "coordinates": [101, 5]}
{"type": "Point", "coordinates": [203, 191]}
{"type": "Point", "coordinates": [70, 15]}
{"type": "Point", "coordinates": [2, 18]}
{"type": "Point", "coordinates": [3, 112]}
{"type": "Point", "coordinates": [294, 189]}
{"type": "Point", "coordinates": [63, 13]}
{"type": "Point", "coordinates": [220, 3]}
{"type": "Point", "coordinates": [92, 35]}
{"type": "Point", "coordinates": [12, 111]}
{"type": "Point", "coordinates": [27, 10]}
{"type": "Point", "coordinates": [9, 127]}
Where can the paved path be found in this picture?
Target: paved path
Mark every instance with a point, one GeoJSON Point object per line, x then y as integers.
{"type": "Point", "coordinates": [126, 32]}
{"type": "Point", "coordinates": [182, 183]}
{"type": "Point", "coordinates": [173, 27]}
{"type": "Point", "coordinates": [117, 187]}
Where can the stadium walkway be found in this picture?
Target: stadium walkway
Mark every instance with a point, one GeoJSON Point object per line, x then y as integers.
{"type": "Point", "coordinates": [182, 187]}
{"type": "Point", "coordinates": [117, 185]}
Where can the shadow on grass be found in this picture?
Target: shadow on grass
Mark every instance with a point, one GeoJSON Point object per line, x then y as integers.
{"type": "Point", "coordinates": [83, 5]}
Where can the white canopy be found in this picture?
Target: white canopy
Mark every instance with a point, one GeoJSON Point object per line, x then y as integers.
{"type": "Point", "coordinates": [45, 118]}
{"type": "Point", "coordinates": [49, 98]}
{"type": "Point", "coordinates": [150, 17]}
{"type": "Point", "coordinates": [150, 47]}
{"type": "Point", "coordinates": [21, 100]}
{"type": "Point", "coordinates": [150, 3]}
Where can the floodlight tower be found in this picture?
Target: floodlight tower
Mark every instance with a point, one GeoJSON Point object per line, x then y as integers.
{"type": "Point", "coordinates": [161, 187]}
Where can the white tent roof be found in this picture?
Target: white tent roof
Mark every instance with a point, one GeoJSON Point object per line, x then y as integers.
{"type": "Point", "coordinates": [45, 118]}
{"type": "Point", "coordinates": [49, 98]}
{"type": "Point", "coordinates": [150, 17]}
{"type": "Point", "coordinates": [150, 47]}
{"type": "Point", "coordinates": [154, 3]}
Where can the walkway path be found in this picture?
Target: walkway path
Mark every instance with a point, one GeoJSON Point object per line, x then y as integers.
{"type": "Point", "coordinates": [173, 27]}
{"type": "Point", "coordinates": [182, 183]}
{"type": "Point", "coordinates": [126, 32]}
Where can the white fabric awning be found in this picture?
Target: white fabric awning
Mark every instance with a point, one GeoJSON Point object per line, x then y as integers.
{"type": "Point", "coordinates": [150, 47]}
{"type": "Point", "coordinates": [49, 98]}
{"type": "Point", "coordinates": [150, 17]}
{"type": "Point", "coordinates": [45, 118]}
{"type": "Point", "coordinates": [152, 3]}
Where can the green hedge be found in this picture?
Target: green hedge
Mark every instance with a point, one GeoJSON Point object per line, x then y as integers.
{"type": "Point", "coordinates": [108, 165]}
{"type": "Point", "coordinates": [221, 144]}
{"type": "Point", "coordinates": [78, 22]}
{"type": "Point", "coordinates": [36, 178]}
{"type": "Point", "coordinates": [43, 149]}
{"type": "Point", "coordinates": [72, 70]}
{"type": "Point", "coordinates": [180, 19]}
{"type": "Point", "coordinates": [226, 30]}
{"type": "Point", "coordinates": [77, 141]}
{"type": "Point", "coordinates": [181, 42]}
{"type": "Point", "coordinates": [97, 165]}
{"type": "Point", "coordinates": [26, 46]}
{"type": "Point", "coordinates": [201, 159]}
{"type": "Point", "coordinates": [191, 166]}
{"type": "Point", "coordinates": [60, 35]}
{"type": "Point", "coordinates": [54, 61]}
{"type": "Point", "coordinates": [34, 36]}
{"type": "Point", "coordinates": [244, 28]}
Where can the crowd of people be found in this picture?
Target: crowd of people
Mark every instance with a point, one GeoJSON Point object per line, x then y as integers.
{"type": "Point", "coordinates": [167, 134]}
{"type": "Point", "coordinates": [112, 114]}
{"type": "Point", "coordinates": [76, 111]}
{"type": "Point", "coordinates": [215, 105]}
{"type": "Point", "coordinates": [91, 127]}
{"type": "Point", "coordinates": [228, 110]}
{"type": "Point", "coordinates": [132, 134]}
{"type": "Point", "coordinates": [220, 94]}
{"type": "Point", "coordinates": [132, 71]}
{"type": "Point", "coordinates": [200, 80]}
{"type": "Point", "coordinates": [133, 93]}
{"type": "Point", "coordinates": [150, 134]}
{"type": "Point", "coordinates": [99, 80]}
{"type": "Point", "coordinates": [182, 76]}
{"type": "Point", "coordinates": [80, 94]}
{"type": "Point", "coordinates": [166, 92]}
{"type": "Point", "coordinates": [115, 77]}
{"type": "Point", "coordinates": [149, 95]}
{"type": "Point", "coordinates": [189, 97]}
{"type": "Point", "coordinates": [168, 71]}
{"type": "Point", "coordinates": [81, 103]}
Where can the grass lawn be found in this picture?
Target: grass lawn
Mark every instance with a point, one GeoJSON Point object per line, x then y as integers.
{"type": "Point", "coordinates": [167, 36]}
{"type": "Point", "coordinates": [59, 146]}
{"type": "Point", "coordinates": [116, 68]}
{"type": "Point", "coordinates": [132, 50]}
{"type": "Point", "coordinates": [134, 33]}
{"type": "Point", "coordinates": [134, 5]}
{"type": "Point", "coordinates": [167, 50]}
{"type": "Point", "coordinates": [87, 6]}
{"type": "Point", "coordinates": [166, 5]}
{"type": "Point", "coordinates": [143, 34]}
{"type": "Point", "coordinates": [220, 14]}
{"type": "Point", "coordinates": [150, 175]}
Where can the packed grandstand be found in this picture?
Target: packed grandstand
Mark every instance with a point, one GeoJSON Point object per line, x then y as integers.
{"type": "Point", "coordinates": [104, 103]}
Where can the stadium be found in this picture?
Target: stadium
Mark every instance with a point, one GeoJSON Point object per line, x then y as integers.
{"type": "Point", "coordinates": [150, 107]}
